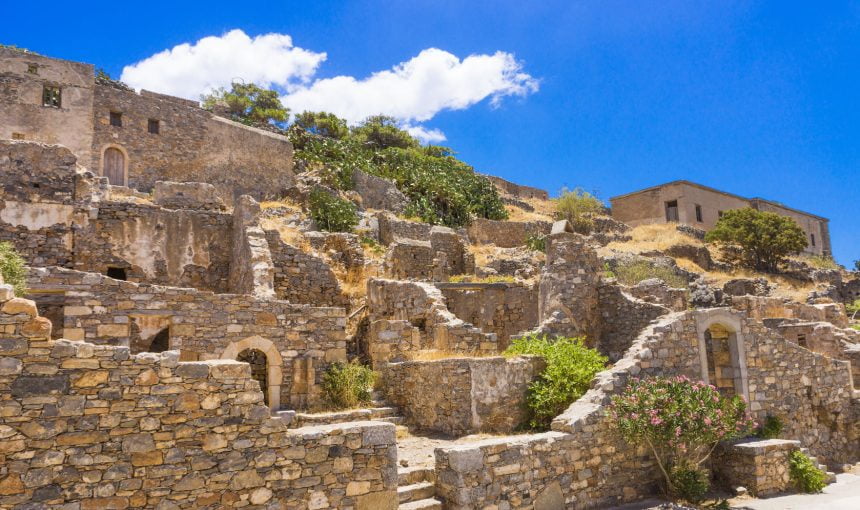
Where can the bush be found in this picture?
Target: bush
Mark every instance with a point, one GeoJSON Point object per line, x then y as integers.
{"type": "Point", "coordinates": [762, 240]}
{"type": "Point", "coordinates": [631, 273]}
{"type": "Point", "coordinates": [347, 385]}
{"type": "Point", "coordinates": [857, 265]}
{"type": "Point", "coordinates": [771, 428]}
{"type": "Point", "coordinates": [536, 242]}
{"type": "Point", "coordinates": [331, 213]}
{"type": "Point", "coordinates": [570, 368]}
{"type": "Point", "coordinates": [680, 421]}
{"type": "Point", "coordinates": [12, 268]}
{"type": "Point", "coordinates": [821, 262]}
{"type": "Point", "coordinates": [249, 102]}
{"type": "Point", "coordinates": [690, 484]}
{"type": "Point", "coordinates": [853, 308]}
{"type": "Point", "coordinates": [804, 474]}
{"type": "Point", "coordinates": [578, 207]}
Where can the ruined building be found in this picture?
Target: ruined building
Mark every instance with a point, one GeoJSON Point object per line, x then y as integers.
{"type": "Point", "coordinates": [700, 207]}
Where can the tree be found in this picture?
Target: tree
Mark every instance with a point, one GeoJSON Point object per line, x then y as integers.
{"type": "Point", "coordinates": [762, 240]}
{"type": "Point", "coordinates": [13, 269]}
{"type": "Point", "coordinates": [381, 131]}
{"type": "Point", "coordinates": [857, 265]}
{"type": "Point", "coordinates": [249, 102]}
{"type": "Point", "coordinates": [324, 124]}
{"type": "Point", "coordinates": [578, 207]}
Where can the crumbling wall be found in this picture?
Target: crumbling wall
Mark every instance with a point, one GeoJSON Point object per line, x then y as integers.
{"type": "Point", "coordinates": [505, 309]}
{"type": "Point", "coordinates": [89, 426]}
{"type": "Point", "coordinates": [458, 396]}
{"type": "Point", "coordinates": [506, 234]}
{"type": "Point", "coordinates": [303, 340]}
{"type": "Point", "coordinates": [623, 318]}
{"type": "Point", "coordinates": [392, 228]}
{"type": "Point", "coordinates": [181, 248]}
{"type": "Point", "coordinates": [187, 195]}
{"type": "Point", "coordinates": [761, 308]}
{"type": "Point", "coordinates": [517, 190]}
{"type": "Point", "coordinates": [302, 277]}
{"type": "Point", "coordinates": [438, 257]}
{"type": "Point", "coordinates": [378, 193]}
{"type": "Point", "coordinates": [251, 267]}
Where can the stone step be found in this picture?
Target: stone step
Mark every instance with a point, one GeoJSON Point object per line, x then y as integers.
{"type": "Point", "coordinates": [415, 474]}
{"type": "Point", "coordinates": [295, 419]}
{"type": "Point", "coordinates": [415, 492]}
{"type": "Point", "coordinates": [383, 412]}
{"type": "Point", "coordinates": [397, 420]}
{"type": "Point", "coordinates": [422, 504]}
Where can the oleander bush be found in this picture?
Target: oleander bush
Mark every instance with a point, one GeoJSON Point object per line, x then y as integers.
{"type": "Point", "coordinates": [681, 422]}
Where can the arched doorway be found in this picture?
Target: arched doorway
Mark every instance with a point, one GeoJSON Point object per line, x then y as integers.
{"type": "Point", "coordinates": [114, 166]}
{"type": "Point", "coordinates": [722, 353]}
{"type": "Point", "coordinates": [272, 361]}
{"type": "Point", "coordinates": [160, 342]}
{"type": "Point", "coordinates": [259, 369]}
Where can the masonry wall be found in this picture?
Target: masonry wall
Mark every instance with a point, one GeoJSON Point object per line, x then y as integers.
{"type": "Point", "coordinates": [93, 427]}
{"type": "Point", "coordinates": [301, 277]}
{"type": "Point", "coordinates": [21, 108]}
{"type": "Point", "coordinates": [505, 309]}
{"type": "Point", "coordinates": [460, 396]}
{"type": "Point", "coordinates": [761, 466]}
{"type": "Point", "coordinates": [623, 318]}
{"type": "Point", "coordinates": [192, 145]}
{"type": "Point", "coordinates": [517, 190]}
{"type": "Point", "coordinates": [299, 339]}
{"type": "Point", "coordinates": [182, 248]}
{"type": "Point", "coordinates": [505, 234]}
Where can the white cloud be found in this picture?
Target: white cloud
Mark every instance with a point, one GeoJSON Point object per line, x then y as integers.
{"type": "Point", "coordinates": [416, 90]}
{"type": "Point", "coordinates": [189, 70]}
{"type": "Point", "coordinates": [412, 92]}
{"type": "Point", "coordinates": [424, 134]}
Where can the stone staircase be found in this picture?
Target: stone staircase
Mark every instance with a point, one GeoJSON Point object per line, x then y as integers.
{"type": "Point", "coordinates": [378, 410]}
{"type": "Point", "coordinates": [416, 488]}
{"type": "Point", "coordinates": [831, 476]}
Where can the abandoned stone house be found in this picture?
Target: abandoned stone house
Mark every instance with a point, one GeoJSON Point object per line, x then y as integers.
{"type": "Point", "coordinates": [170, 351]}
{"type": "Point", "coordinates": [135, 139]}
{"type": "Point", "coordinates": [700, 207]}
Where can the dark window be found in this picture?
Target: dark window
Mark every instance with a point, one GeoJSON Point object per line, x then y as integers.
{"type": "Point", "coordinates": [116, 119]}
{"type": "Point", "coordinates": [699, 216]}
{"type": "Point", "coordinates": [18, 136]}
{"type": "Point", "coordinates": [801, 340]}
{"type": "Point", "coordinates": [33, 68]}
{"type": "Point", "coordinates": [161, 341]}
{"type": "Point", "coordinates": [813, 239]}
{"type": "Point", "coordinates": [51, 96]}
{"type": "Point", "coordinates": [117, 273]}
{"type": "Point", "coordinates": [672, 210]}
{"type": "Point", "coordinates": [153, 126]}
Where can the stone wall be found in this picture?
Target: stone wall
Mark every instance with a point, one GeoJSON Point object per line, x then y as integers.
{"type": "Point", "coordinates": [761, 308]}
{"type": "Point", "coordinates": [93, 427]}
{"type": "Point", "coordinates": [442, 255]}
{"type": "Point", "coordinates": [409, 259]}
{"type": "Point", "coordinates": [391, 341]}
{"type": "Point", "coordinates": [183, 248]}
{"type": "Point", "coordinates": [517, 190]}
{"type": "Point", "coordinates": [423, 306]}
{"type": "Point", "coordinates": [655, 290]}
{"type": "Point", "coordinates": [505, 309]}
{"type": "Point", "coordinates": [505, 234]}
{"type": "Point", "coordinates": [299, 341]}
{"type": "Point", "coordinates": [303, 277]}
{"type": "Point", "coordinates": [623, 317]}
{"type": "Point", "coordinates": [392, 228]}
{"type": "Point", "coordinates": [459, 396]}
{"type": "Point", "coordinates": [251, 269]}
{"type": "Point", "coordinates": [378, 193]}
{"type": "Point", "coordinates": [760, 466]}
{"type": "Point", "coordinates": [192, 145]}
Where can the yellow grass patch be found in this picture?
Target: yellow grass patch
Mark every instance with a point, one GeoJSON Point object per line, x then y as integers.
{"type": "Point", "coordinates": [654, 237]}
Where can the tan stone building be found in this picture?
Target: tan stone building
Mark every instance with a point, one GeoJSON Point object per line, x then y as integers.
{"type": "Point", "coordinates": [700, 206]}
{"type": "Point", "coordinates": [136, 139]}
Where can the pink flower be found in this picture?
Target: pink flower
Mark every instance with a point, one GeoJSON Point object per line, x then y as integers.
{"type": "Point", "coordinates": [707, 421]}
{"type": "Point", "coordinates": [656, 421]}
{"type": "Point", "coordinates": [677, 431]}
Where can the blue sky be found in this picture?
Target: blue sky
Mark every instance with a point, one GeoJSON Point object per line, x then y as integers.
{"type": "Point", "coordinates": [760, 98]}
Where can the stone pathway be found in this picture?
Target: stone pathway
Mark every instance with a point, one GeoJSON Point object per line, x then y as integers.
{"type": "Point", "coordinates": [844, 494]}
{"type": "Point", "coordinates": [418, 450]}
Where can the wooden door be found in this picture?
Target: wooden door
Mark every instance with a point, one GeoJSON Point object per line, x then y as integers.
{"type": "Point", "coordinates": [114, 166]}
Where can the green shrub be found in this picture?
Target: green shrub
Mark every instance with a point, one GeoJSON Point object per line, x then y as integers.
{"type": "Point", "coordinates": [853, 309]}
{"type": "Point", "coordinates": [771, 428]}
{"type": "Point", "coordinates": [331, 213]}
{"type": "Point", "coordinates": [371, 244]}
{"type": "Point", "coordinates": [12, 268]}
{"type": "Point", "coordinates": [578, 207]}
{"type": "Point", "coordinates": [631, 273]}
{"type": "Point", "coordinates": [761, 240]}
{"type": "Point", "coordinates": [570, 368]}
{"type": "Point", "coordinates": [536, 242]}
{"type": "Point", "coordinates": [680, 421]}
{"type": "Point", "coordinates": [690, 484]}
{"type": "Point", "coordinates": [607, 271]}
{"type": "Point", "coordinates": [347, 385]}
{"type": "Point", "coordinates": [804, 474]}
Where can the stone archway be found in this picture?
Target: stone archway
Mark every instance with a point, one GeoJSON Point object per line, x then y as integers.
{"type": "Point", "coordinates": [259, 369]}
{"type": "Point", "coordinates": [273, 360]}
{"type": "Point", "coordinates": [722, 353]}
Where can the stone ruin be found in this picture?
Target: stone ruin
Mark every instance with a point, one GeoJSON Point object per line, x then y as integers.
{"type": "Point", "coordinates": [171, 349]}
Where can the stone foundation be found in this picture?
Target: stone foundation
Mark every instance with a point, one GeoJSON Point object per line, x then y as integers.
{"type": "Point", "coordinates": [760, 466]}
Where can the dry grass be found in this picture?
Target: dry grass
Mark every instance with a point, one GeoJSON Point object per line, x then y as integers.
{"type": "Point", "coordinates": [440, 354]}
{"type": "Point", "coordinates": [284, 202]}
{"type": "Point", "coordinates": [655, 237]}
{"type": "Point", "coordinates": [483, 253]}
{"type": "Point", "coordinates": [470, 278]}
{"type": "Point", "coordinates": [786, 287]}
{"type": "Point", "coordinates": [517, 214]}
{"type": "Point", "coordinates": [290, 235]}
{"type": "Point", "coordinates": [544, 207]}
